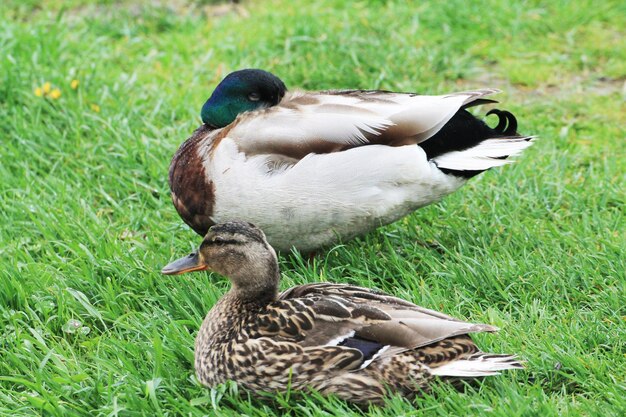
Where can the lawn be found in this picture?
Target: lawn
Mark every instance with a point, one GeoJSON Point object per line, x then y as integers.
{"type": "Point", "coordinates": [90, 326]}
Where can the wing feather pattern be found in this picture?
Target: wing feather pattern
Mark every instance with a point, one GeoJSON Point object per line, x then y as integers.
{"type": "Point", "coordinates": [331, 121]}
{"type": "Point", "coordinates": [338, 315]}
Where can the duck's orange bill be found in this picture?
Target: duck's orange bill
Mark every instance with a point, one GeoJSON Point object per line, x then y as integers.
{"type": "Point", "coordinates": [187, 264]}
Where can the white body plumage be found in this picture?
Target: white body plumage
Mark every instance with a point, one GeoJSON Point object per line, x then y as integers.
{"type": "Point", "coordinates": [325, 195]}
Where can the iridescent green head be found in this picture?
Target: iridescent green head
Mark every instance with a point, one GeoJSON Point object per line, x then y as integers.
{"type": "Point", "coordinates": [241, 91]}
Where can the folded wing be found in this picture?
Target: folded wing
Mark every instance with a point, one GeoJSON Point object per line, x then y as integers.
{"type": "Point", "coordinates": [335, 120]}
{"type": "Point", "coordinates": [375, 323]}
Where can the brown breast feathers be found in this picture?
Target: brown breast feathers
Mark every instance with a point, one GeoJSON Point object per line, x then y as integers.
{"type": "Point", "coordinates": [193, 194]}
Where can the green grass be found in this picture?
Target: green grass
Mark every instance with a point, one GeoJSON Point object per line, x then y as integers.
{"type": "Point", "coordinates": [90, 327]}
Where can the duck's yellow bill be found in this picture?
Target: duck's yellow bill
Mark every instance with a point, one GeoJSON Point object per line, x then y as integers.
{"type": "Point", "coordinates": [187, 264]}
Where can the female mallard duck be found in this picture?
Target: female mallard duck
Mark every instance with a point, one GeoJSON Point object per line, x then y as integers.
{"type": "Point", "coordinates": [337, 339]}
{"type": "Point", "coordinates": [309, 168]}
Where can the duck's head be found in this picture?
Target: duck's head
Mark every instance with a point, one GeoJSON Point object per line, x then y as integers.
{"type": "Point", "coordinates": [241, 91]}
{"type": "Point", "coordinates": [239, 251]}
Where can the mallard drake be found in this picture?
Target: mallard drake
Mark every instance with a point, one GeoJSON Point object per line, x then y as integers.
{"type": "Point", "coordinates": [337, 339]}
{"type": "Point", "coordinates": [312, 168]}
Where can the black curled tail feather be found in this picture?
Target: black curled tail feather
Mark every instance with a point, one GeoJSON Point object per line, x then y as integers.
{"type": "Point", "coordinates": [507, 123]}
{"type": "Point", "coordinates": [464, 131]}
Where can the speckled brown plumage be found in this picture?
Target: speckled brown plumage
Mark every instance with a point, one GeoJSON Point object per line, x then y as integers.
{"type": "Point", "coordinates": [353, 342]}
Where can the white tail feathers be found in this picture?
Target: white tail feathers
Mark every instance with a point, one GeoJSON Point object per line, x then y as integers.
{"type": "Point", "coordinates": [480, 364]}
{"type": "Point", "coordinates": [487, 154]}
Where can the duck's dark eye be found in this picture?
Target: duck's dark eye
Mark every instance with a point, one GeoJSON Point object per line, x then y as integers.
{"type": "Point", "coordinates": [254, 97]}
{"type": "Point", "coordinates": [223, 241]}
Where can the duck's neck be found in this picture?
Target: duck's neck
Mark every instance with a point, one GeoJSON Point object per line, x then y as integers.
{"type": "Point", "coordinates": [258, 298]}
{"type": "Point", "coordinates": [255, 277]}
{"type": "Point", "coordinates": [255, 291]}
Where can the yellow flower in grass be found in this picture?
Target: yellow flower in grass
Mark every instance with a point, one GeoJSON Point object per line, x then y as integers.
{"type": "Point", "coordinates": [74, 84]}
{"type": "Point", "coordinates": [95, 107]}
{"type": "Point", "coordinates": [46, 90]}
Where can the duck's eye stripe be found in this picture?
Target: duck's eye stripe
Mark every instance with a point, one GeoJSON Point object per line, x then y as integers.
{"type": "Point", "coordinates": [224, 242]}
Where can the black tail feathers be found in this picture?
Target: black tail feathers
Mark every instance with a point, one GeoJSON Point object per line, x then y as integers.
{"type": "Point", "coordinates": [464, 131]}
{"type": "Point", "coordinates": [507, 123]}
